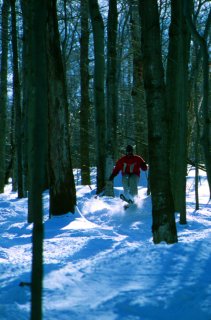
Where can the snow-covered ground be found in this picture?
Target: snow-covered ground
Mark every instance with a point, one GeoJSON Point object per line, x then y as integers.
{"type": "Point", "coordinates": [101, 263]}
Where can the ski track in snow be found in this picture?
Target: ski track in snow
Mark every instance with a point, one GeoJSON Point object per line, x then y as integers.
{"type": "Point", "coordinates": [101, 263]}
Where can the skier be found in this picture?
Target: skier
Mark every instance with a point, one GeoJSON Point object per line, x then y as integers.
{"type": "Point", "coordinates": [130, 166]}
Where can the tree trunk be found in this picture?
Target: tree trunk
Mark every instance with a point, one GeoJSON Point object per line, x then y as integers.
{"type": "Point", "coordinates": [206, 136]}
{"type": "Point", "coordinates": [196, 149]}
{"type": "Point", "coordinates": [3, 91]}
{"type": "Point", "coordinates": [62, 185]}
{"type": "Point", "coordinates": [138, 93]}
{"type": "Point", "coordinates": [163, 226]}
{"type": "Point", "coordinates": [99, 70]}
{"type": "Point", "coordinates": [176, 89]}
{"type": "Point", "coordinates": [37, 139]}
{"type": "Point", "coordinates": [85, 104]}
{"type": "Point", "coordinates": [26, 86]}
{"type": "Point", "coordinates": [111, 94]}
{"type": "Point", "coordinates": [17, 106]}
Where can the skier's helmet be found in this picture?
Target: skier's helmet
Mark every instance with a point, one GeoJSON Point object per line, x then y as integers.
{"type": "Point", "coordinates": [129, 149]}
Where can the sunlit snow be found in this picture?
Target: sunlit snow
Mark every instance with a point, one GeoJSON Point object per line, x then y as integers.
{"type": "Point", "coordinates": [101, 263]}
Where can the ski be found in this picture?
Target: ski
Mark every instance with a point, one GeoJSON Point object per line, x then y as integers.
{"type": "Point", "coordinates": [126, 206]}
{"type": "Point", "coordinates": [129, 201]}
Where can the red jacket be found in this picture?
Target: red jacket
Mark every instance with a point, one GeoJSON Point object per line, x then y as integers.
{"type": "Point", "coordinates": [129, 164]}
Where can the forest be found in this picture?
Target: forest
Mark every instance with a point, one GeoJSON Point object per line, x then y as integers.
{"type": "Point", "coordinates": [103, 75]}
{"type": "Point", "coordinates": [82, 79]}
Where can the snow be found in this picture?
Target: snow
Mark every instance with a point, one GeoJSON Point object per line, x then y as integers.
{"type": "Point", "coordinates": [101, 263]}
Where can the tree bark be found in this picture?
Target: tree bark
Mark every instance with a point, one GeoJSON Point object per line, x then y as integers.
{"type": "Point", "coordinates": [138, 93]}
{"type": "Point", "coordinates": [176, 89]}
{"type": "Point", "coordinates": [85, 103]}
{"type": "Point", "coordinates": [206, 136]}
{"type": "Point", "coordinates": [99, 97]}
{"type": "Point", "coordinates": [111, 94]}
{"type": "Point", "coordinates": [3, 91]}
{"type": "Point", "coordinates": [163, 225]}
{"type": "Point", "coordinates": [36, 15]}
{"type": "Point", "coordinates": [17, 107]}
{"type": "Point", "coordinates": [61, 180]}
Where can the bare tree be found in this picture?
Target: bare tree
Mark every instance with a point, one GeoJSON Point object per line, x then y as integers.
{"type": "Point", "coordinates": [99, 96]}
{"type": "Point", "coordinates": [163, 226]}
{"type": "Point", "coordinates": [206, 136]}
{"type": "Point", "coordinates": [35, 13]}
{"type": "Point", "coordinates": [137, 92]}
{"type": "Point", "coordinates": [3, 90]}
{"type": "Point", "coordinates": [111, 94]}
{"type": "Point", "coordinates": [61, 180]}
{"type": "Point", "coordinates": [85, 103]}
{"type": "Point", "coordinates": [176, 91]}
{"type": "Point", "coordinates": [18, 169]}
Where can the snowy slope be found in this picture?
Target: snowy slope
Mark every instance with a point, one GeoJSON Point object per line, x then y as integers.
{"type": "Point", "coordinates": [101, 263]}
